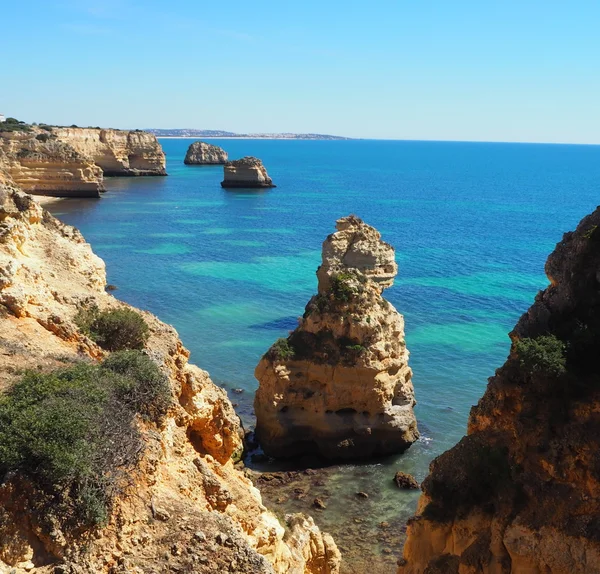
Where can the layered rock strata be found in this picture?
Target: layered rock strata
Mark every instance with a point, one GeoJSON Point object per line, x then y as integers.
{"type": "Point", "coordinates": [42, 164]}
{"type": "Point", "coordinates": [187, 508]}
{"type": "Point", "coordinates": [340, 384]}
{"type": "Point", "coordinates": [521, 492]}
{"type": "Point", "coordinates": [202, 153]}
{"type": "Point", "coordinates": [248, 172]}
{"type": "Point", "coordinates": [117, 152]}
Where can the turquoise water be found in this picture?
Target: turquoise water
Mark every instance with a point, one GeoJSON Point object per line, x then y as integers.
{"type": "Point", "coordinates": [472, 224]}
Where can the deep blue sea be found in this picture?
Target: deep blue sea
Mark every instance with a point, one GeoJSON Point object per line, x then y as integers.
{"type": "Point", "coordinates": [472, 224]}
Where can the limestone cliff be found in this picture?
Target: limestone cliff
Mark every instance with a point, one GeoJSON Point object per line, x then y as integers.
{"type": "Point", "coordinates": [340, 384]}
{"type": "Point", "coordinates": [38, 162]}
{"type": "Point", "coordinates": [117, 152]}
{"type": "Point", "coordinates": [187, 508]}
{"type": "Point", "coordinates": [521, 492]}
{"type": "Point", "coordinates": [248, 172]}
{"type": "Point", "coordinates": [202, 153]}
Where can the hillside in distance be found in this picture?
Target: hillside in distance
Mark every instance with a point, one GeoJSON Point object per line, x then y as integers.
{"type": "Point", "coordinates": [193, 133]}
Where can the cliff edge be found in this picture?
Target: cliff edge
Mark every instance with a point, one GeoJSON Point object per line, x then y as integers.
{"type": "Point", "coordinates": [183, 506]}
{"type": "Point", "coordinates": [117, 152]}
{"type": "Point", "coordinates": [340, 384]}
{"type": "Point", "coordinates": [521, 492]}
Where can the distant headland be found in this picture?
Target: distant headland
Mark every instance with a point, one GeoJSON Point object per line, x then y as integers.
{"type": "Point", "coordinates": [193, 133]}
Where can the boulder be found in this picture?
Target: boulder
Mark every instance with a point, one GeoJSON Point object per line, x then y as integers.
{"type": "Point", "coordinates": [202, 153]}
{"type": "Point", "coordinates": [248, 172]}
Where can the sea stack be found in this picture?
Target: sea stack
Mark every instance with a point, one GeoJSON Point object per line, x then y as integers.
{"type": "Point", "coordinates": [340, 385]}
{"type": "Point", "coordinates": [246, 172]}
{"type": "Point", "coordinates": [202, 153]}
{"type": "Point", "coordinates": [521, 492]}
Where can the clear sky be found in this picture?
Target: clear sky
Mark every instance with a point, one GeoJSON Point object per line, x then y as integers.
{"type": "Point", "coordinates": [494, 70]}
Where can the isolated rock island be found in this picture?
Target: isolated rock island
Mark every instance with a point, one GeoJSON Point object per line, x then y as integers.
{"type": "Point", "coordinates": [340, 384]}
{"type": "Point", "coordinates": [521, 492]}
{"type": "Point", "coordinates": [248, 172]}
{"type": "Point", "coordinates": [202, 153]}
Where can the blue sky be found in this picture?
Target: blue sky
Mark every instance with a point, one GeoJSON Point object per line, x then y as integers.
{"type": "Point", "coordinates": [492, 70]}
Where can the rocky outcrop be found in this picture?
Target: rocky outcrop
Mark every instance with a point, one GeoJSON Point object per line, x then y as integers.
{"type": "Point", "coordinates": [202, 153]}
{"type": "Point", "coordinates": [521, 492]}
{"type": "Point", "coordinates": [38, 162]}
{"type": "Point", "coordinates": [117, 152]}
{"type": "Point", "coordinates": [186, 507]}
{"type": "Point", "coordinates": [340, 384]}
{"type": "Point", "coordinates": [248, 172]}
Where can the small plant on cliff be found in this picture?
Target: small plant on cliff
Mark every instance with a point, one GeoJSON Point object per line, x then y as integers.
{"type": "Point", "coordinates": [545, 354]}
{"type": "Point", "coordinates": [113, 329]}
{"type": "Point", "coordinates": [341, 287]}
{"type": "Point", "coordinates": [143, 387]}
{"type": "Point", "coordinates": [282, 350]}
{"type": "Point", "coordinates": [14, 125]}
{"type": "Point", "coordinates": [72, 432]}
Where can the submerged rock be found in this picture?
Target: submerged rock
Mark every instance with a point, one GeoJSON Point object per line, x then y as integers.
{"type": "Point", "coordinates": [521, 492]}
{"type": "Point", "coordinates": [202, 153]}
{"type": "Point", "coordinates": [340, 384]}
{"type": "Point", "coordinates": [405, 481]}
{"type": "Point", "coordinates": [246, 172]}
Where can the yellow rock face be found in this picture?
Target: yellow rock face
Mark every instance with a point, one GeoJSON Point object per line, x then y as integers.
{"type": "Point", "coordinates": [117, 152]}
{"type": "Point", "coordinates": [340, 386]}
{"type": "Point", "coordinates": [187, 507]}
{"type": "Point", "coordinates": [520, 494]}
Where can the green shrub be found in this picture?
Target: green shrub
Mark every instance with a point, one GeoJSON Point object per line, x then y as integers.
{"type": "Point", "coordinates": [42, 137]}
{"type": "Point", "coordinates": [341, 289]}
{"type": "Point", "coordinates": [114, 329]}
{"type": "Point", "coordinates": [356, 348]}
{"type": "Point", "coordinates": [14, 125]}
{"type": "Point", "coordinates": [282, 350]}
{"type": "Point", "coordinates": [46, 127]}
{"type": "Point", "coordinates": [73, 431]}
{"type": "Point", "coordinates": [143, 387]}
{"type": "Point", "coordinates": [545, 354]}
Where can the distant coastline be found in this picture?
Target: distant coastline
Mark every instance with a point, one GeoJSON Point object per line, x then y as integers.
{"type": "Point", "coordinates": [220, 134]}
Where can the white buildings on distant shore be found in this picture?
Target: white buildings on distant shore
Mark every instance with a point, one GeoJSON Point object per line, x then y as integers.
{"type": "Point", "coordinates": [2, 118]}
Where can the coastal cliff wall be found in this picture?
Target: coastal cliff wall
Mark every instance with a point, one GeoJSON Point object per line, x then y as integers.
{"type": "Point", "coordinates": [44, 165]}
{"type": "Point", "coordinates": [187, 507]}
{"type": "Point", "coordinates": [117, 152]}
{"type": "Point", "coordinates": [521, 492]}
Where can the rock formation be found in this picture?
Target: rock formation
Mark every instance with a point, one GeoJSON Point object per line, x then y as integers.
{"type": "Point", "coordinates": [246, 172]}
{"type": "Point", "coordinates": [521, 492]}
{"type": "Point", "coordinates": [117, 152]}
{"type": "Point", "coordinates": [340, 384]}
{"type": "Point", "coordinates": [40, 163]}
{"type": "Point", "coordinates": [202, 153]}
{"type": "Point", "coordinates": [187, 507]}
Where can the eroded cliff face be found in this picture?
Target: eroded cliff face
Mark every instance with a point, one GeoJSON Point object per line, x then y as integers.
{"type": "Point", "coordinates": [247, 172]}
{"type": "Point", "coordinates": [40, 163]}
{"type": "Point", "coordinates": [521, 492]}
{"type": "Point", "coordinates": [202, 153]}
{"type": "Point", "coordinates": [340, 385]}
{"type": "Point", "coordinates": [117, 152]}
{"type": "Point", "coordinates": [187, 507]}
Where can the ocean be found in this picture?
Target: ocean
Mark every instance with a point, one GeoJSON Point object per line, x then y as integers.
{"type": "Point", "coordinates": [472, 224]}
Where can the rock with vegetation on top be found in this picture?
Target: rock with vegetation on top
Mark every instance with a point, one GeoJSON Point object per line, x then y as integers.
{"type": "Point", "coordinates": [521, 492]}
{"type": "Point", "coordinates": [248, 172]}
{"type": "Point", "coordinates": [202, 153]}
{"type": "Point", "coordinates": [340, 384]}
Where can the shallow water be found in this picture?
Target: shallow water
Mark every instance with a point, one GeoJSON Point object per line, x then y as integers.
{"type": "Point", "coordinates": [472, 224]}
